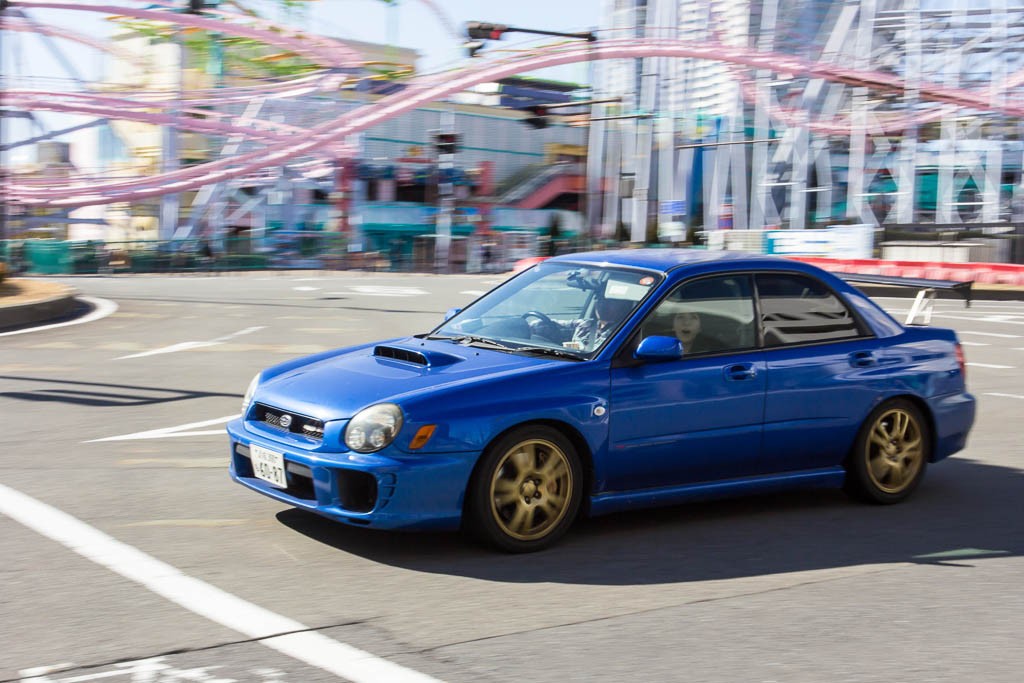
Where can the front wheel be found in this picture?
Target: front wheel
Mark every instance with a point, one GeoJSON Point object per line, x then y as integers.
{"type": "Point", "coordinates": [891, 453]}
{"type": "Point", "coordinates": [526, 490]}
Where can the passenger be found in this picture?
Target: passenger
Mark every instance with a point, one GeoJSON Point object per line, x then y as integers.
{"type": "Point", "coordinates": [687, 328]}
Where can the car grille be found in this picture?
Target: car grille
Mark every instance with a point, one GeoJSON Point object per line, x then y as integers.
{"type": "Point", "coordinates": [292, 423]}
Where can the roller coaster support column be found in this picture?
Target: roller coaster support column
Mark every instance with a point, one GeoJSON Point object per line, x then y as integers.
{"type": "Point", "coordinates": [170, 204]}
{"type": "Point", "coordinates": [342, 197]}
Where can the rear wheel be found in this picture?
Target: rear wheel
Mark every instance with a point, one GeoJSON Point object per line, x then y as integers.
{"type": "Point", "coordinates": [891, 453]}
{"type": "Point", "coordinates": [526, 490]}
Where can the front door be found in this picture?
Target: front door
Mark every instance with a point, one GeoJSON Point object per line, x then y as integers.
{"type": "Point", "coordinates": [698, 418]}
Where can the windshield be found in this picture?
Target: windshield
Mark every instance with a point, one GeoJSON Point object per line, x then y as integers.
{"type": "Point", "coordinates": [559, 309]}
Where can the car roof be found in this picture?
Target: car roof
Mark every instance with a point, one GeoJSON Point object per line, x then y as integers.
{"type": "Point", "coordinates": [664, 260]}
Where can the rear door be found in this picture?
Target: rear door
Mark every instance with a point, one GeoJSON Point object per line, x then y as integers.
{"type": "Point", "coordinates": [822, 363]}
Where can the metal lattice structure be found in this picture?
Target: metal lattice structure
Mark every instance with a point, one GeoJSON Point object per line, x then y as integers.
{"type": "Point", "coordinates": [813, 148]}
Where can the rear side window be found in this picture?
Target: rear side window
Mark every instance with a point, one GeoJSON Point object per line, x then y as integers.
{"type": "Point", "coordinates": [796, 309]}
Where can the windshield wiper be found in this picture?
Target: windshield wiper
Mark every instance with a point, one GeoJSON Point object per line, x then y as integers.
{"type": "Point", "coordinates": [548, 351]}
{"type": "Point", "coordinates": [469, 339]}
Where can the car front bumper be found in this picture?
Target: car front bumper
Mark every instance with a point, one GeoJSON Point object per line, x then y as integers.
{"type": "Point", "coordinates": [385, 490]}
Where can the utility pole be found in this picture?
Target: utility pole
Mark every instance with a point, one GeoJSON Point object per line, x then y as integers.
{"type": "Point", "coordinates": [4, 173]}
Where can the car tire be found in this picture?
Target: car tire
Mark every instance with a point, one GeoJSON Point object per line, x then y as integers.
{"type": "Point", "coordinates": [890, 454]}
{"type": "Point", "coordinates": [526, 490]}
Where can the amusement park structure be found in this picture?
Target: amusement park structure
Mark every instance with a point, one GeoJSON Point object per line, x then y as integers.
{"type": "Point", "coordinates": [904, 113]}
{"type": "Point", "coordinates": [712, 113]}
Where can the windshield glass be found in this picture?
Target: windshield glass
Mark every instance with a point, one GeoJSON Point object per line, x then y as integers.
{"type": "Point", "coordinates": [558, 308]}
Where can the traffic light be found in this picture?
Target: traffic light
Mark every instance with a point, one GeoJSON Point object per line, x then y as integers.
{"type": "Point", "coordinates": [479, 30]}
{"type": "Point", "coordinates": [539, 118]}
{"type": "Point", "coordinates": [446, 143]}
{"type": "Point", "coordinates": [197, 6]}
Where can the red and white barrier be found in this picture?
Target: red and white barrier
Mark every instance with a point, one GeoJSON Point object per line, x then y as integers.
{"type": "Point", "coordinates": [987, 273]}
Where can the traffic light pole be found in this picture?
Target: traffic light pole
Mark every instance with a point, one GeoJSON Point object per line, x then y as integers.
{"type": "Point", "coordinates": [446, 207]}
{"type": "Point", "coordinates": [480, 31]}
{"type": "Point", "coordinates": [446, 143]}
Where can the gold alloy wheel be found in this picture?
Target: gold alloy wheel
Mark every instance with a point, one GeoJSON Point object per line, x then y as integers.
{"type": "Point", "coordinates": [895, 451]}
{"type": "Point", "coordinates": [531, 489]}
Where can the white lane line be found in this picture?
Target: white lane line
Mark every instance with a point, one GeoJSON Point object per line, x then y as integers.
{"type": "Point", "coordinates": [185, 346]}
{"type": "Point", "coordinates": [990, 334]}
{"type": "Point", "coordinates": [201, 598]}
{"type": "Point", "coordinates": [305, 289]}
{"type": "Point", "coordinates": [999, 319]}
{"type": "Point", "coordinates": [101, 309]}
{"type": "Point", "coordinates": [970, 343]}
{"type": "Point", "coordinates": [170, 432]}
{"type": "Point", "coordinates": [992, 393]}
{"type": "Point", "coordinates": [990, 365]}
{"type": "Point", "coordinates": [474, 292]}
{"type": "Point", "coordinates": [384, 290]}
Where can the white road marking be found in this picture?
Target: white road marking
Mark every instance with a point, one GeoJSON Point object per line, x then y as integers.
{"type": "Point", "coordinates": [203, 599]}
{"type": "Point", "coordinates": [969, 343]}
{"type": "Point", "coordinates": [305, 289]}
{"type": "Point", "coordinates": [170, 432]}
{"type": "Point", "coordinates": [990, 334]}
{"type": "Point", "coordinates": [185, 346]}
{"type": "Point", "coordinates": [188, 463]}
{"type": "Point", "coordinates": [1001, 319]}
{"type": "Point", "coordinates": [102, 308]}
{"type": "Point", "coordinates": [992, 393]}
{"type": "Point", "coordinates": [990, 365]}
{"type": "Point", "coordinates": [144, 671]}
{"type": "Point", "coordinates": [474, 292]}
{"type": "Point", "coordinates": [384, 290]}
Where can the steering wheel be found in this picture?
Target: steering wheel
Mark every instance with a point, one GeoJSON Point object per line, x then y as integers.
{"type": "Point", "coordinates": [538, 314]}
{"type": "Point", "coordinates": [546, 328]}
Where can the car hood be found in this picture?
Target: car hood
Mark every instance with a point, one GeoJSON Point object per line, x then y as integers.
{"type": "Point", "coordinates": [338, 387]}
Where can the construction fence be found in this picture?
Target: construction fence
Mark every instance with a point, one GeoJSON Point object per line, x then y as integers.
{"type": "Point", "coordinates": [495, 251]}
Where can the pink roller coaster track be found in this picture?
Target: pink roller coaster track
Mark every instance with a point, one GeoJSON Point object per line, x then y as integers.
{"type": "Point", "coordinates": [283, 146]}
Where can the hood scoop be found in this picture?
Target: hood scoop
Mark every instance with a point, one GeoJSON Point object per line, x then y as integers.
{"type": "Point", "coordinates": [426, 358]}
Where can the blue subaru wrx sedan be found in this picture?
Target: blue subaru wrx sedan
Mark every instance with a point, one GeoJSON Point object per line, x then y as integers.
{"type": "Point", "coordinates": [596, 382]}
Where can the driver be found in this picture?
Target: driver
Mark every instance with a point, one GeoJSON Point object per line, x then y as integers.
{"type": "Point", "coordinates": [590, 333]}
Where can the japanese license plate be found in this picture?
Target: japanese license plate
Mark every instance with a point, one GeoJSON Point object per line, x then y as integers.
{"type": "Point", "coordinates": [268, 465]}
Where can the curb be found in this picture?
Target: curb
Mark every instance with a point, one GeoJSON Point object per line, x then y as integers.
{"type": "Point", "coordinates": [38, 311]}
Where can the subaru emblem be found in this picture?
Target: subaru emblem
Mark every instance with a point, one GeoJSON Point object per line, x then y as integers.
{"type": "Point", "coordinates": [286, 421]}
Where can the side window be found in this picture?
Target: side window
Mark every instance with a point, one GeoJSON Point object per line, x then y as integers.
{"type": "Point", "coordinates": [709, 315]}
{"type": "Point", "coordinates": [796, 309]}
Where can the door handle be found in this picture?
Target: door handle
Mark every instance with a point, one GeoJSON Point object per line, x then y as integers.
{"type": "Point", "coordinates": [862, 359]}
{"type": "Point", "coordinates": [740, 371]}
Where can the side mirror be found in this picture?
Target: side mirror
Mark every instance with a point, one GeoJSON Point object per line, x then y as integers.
{"type": "Point", "coordinates": [451, 313]}
{"type": "Point", "coordinates": [657, 349]}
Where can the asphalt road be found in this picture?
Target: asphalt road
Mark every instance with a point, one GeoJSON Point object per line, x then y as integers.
{"type": "Point", "coordinates": [166, 571]}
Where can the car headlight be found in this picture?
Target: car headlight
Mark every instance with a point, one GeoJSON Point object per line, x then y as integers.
{"type": "Point", "coordinates": [249, 392]}
{"type": "Point", "coordinates": [373, 428]}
